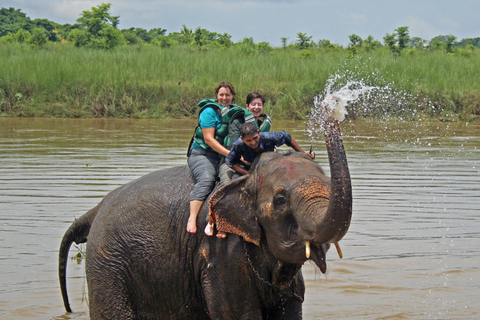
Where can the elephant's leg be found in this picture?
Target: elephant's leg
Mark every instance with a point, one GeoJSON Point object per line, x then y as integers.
{"type": "Point", "coordinates": [288, 308]}
{"type": "Point", "coordinates": [108, 298]}
{"type": "Point", "coordinates": [228, 291]}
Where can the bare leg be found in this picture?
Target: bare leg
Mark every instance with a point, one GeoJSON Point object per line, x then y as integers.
{"type": "Point", "coordinates": [195, 206]}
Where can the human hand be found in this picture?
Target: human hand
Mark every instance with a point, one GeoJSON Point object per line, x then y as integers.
{"type": "Point", "coordinates": [245, 161]}
{"type": "Point", "coordinates": [311, 155]}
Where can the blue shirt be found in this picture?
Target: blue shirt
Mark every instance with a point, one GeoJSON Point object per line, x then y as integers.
{"type": "Point", "coordinates": [209, 118]}
{"type": "Point", "coordinates": [268, 142]}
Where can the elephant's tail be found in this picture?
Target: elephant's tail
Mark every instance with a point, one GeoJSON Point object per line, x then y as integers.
{"type": "Point", "coordinates": [77, 232]}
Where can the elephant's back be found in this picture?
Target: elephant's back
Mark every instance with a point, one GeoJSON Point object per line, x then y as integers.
{"type": "Point", "coordinates": [157, 202]}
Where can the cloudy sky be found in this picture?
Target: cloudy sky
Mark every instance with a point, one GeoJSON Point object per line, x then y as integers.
{"type": "Point", "coordinates": [270, 20]}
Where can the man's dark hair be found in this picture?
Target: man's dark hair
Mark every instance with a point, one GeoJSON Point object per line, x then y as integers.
{"type": "Point", "coordinates": [254, 95]}
{"type": "Point", "coordinates": [248, 129]}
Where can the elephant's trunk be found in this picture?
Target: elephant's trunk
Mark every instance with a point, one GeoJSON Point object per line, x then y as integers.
{"type": "Point", "coordinates": [330, 209]}
{"type": "Point", "coordinates": [339, 213]}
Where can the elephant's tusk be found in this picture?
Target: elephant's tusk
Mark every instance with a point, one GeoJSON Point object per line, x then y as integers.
{"type": "Point", "coordinates": [307, 249]}
{"type": "Point", "coordinates": [339, 251]}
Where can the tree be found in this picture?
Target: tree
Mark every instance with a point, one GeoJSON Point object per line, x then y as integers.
{"type": "Point", "coordinates": [403, 37]}
{"type": "Point", "coordinates": [449, 43]}
{"type": "Point", "coordinates": [39, 37]}
{"type": "Point", "coordinates": [186, 34]}
{"type": "Point", "coordinates": [371, 44]}
{"type": "Point", "coordinates": [397, 41]}
{"type": "Point", "coordinates": [225, 40]}
{"type": "Point", "coordinates": [418, 43]}
{"type": "Point", "coordinates": [355, 41]}
{"type": "Point", "coordinates": [284, 42]}
{"type": "Point", "coordinates": [12, 20]}
{"type": "Point", "coordinates": [475, 42]}
{"type": "Point", "coordinates": [390, 41]}
{"type": "Point", "coordinates": [49, 27]}
{"type": "Point", "coordinates": [264, 47]}
{"type": "Point", "coordinates": [98, 29]}
{"type": "Point", "coordinates": [303, 41]}
{"type": "Point", "coordinates": [199, 37]}
{"type": "Point", "coordinates": [155, 32]}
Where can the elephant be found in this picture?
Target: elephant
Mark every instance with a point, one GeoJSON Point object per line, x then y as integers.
{"type": "Point", "coordinates": [141, 263]}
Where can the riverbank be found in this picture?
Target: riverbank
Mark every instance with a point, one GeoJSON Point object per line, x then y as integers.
{"type": "Point", "coordinates": [152, 82]}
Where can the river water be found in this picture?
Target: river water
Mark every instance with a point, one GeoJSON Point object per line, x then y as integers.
{"type": "Point", "coordinates": [412, 251]}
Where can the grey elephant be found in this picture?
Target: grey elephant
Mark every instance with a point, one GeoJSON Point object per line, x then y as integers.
{"type": "Point", "coordinates": [141, 263]}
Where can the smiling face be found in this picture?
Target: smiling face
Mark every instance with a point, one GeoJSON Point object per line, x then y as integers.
{"type": "Point", "coordinates": [255, 107]}
{"type": "Point", "coordinates": [252, 140]}
{"type": "Point", "coordinates": [224, 96]}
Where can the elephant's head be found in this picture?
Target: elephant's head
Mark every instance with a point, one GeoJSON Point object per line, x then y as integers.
{"type": "Point", "coordinates": [288, 200]}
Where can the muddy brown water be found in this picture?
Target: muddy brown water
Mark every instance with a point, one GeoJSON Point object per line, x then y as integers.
{"type": "Point", "coordinates": [412, 251]}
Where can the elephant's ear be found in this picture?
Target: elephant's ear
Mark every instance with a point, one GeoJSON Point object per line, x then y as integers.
{"type": "Point", "coordinates": [233, 210]}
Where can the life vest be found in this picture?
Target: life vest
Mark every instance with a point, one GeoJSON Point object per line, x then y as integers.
{"type": "Point", "coordinates": [228, 114]}
{"type": "Point", "coordinates": [264, 123]}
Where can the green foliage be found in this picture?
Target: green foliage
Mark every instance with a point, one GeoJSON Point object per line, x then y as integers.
{"type": "Point", "coordinates": [247, 46]}
{"type": "Point", "coordinates": [370, 44]}
{"type": "Point", "coordinates": [306, 53]}
{"type": "Point", "coordinates": [326, 44]}
{"type": "Point", "coordinates": [352, 51]}
{"type": "Point", "coordinates": [474, 42]}
{"type": "Point", "coordinates": [264, 47]}
{"type": "Point", "coordinates": [21, 36]}
{"type": "Point", "coordinates": [443, 43]}
{"type": "Point", "coordinates": [403, 37]}
{"type": "Point", "coordinates": [162, 75]}
{"type": "Point", "coordinates": [48, 28]}
{"type": "Point", "coordinates": [38, 38]}
{"type": "Point", "coordinates": [304, 41]}
{"type": "Point", "coordinates": [12, 20]}
{"type": "Point", "coordinates": [97, 29]}
{"type": "Point", "coordinates": [186, 35]}
{"type": "Point", "coordinates": [199, 37]}
{"type": "Point", "coordinates": [66, 81]}
{"type": "Point", "coordinates": [355, 41]}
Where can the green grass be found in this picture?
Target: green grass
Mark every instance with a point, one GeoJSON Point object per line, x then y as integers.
{"type": "Point", "coordinates": [154, 82]}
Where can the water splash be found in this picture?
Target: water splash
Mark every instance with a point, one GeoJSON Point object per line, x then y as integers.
{"type": "Point", "coordinates": [332, 104]}
{"type": "Point", "coordinates": [367, 97]}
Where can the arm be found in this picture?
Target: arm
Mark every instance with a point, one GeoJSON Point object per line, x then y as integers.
{"type": "Point", "coordinates": [238, 169]}
{"type": "Point", "coordinates": [297, 148]}
{"type": "Point", "coordinates": [209, 137]}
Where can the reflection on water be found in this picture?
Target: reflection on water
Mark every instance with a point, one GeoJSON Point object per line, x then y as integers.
{"type": "Point", "coordinates": [411, 251]}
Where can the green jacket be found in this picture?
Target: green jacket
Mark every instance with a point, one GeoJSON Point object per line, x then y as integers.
{"type": "Point", "coordinates": [264, 123]}
{"type": "Point", "coordinates": [228, 115]}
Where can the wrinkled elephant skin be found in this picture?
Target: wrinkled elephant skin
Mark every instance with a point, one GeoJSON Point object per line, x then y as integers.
{"type": "Point", "coordinates": [142, 264]}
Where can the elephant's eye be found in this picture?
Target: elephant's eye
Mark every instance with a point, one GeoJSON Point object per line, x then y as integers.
{"type": "Point", "coordinates": [280, 200]}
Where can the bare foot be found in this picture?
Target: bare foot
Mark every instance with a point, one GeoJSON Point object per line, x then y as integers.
{"type": "Point", "coordinates": [192, 225]}
{"type": "Point", "coordinates": [221, 234]}
{"type": "Point", "coordinates": [209, 229]}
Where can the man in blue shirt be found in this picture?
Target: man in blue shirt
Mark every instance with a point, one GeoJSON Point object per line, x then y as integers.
{"type": "Point", "coordinates": [252, 143]}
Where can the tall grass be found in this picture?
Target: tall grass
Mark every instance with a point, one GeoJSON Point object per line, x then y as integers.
{"type": "Point", "coordinates": [153, 82]}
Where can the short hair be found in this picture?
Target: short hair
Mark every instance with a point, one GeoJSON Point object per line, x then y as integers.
{"type": "Point", "coordinates": [254, 95]}
{"type": "Point", "coordinates": [248, 128]}
{"type": "Point", "coordinates": [226, 85]}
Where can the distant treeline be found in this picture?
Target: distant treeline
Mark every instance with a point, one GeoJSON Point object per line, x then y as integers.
{"type": "Point", "coordinates": [97, 28]}
{"type": "Point", "coordinates": [92, 69]}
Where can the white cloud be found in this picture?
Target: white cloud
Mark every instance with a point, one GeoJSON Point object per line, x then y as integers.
{"type": "Point", "coordinates": [356, 19]}
{"type": "Point", "coordinates": [420, 28]}
{"type": "Point", "coordinates": [449, 24]}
